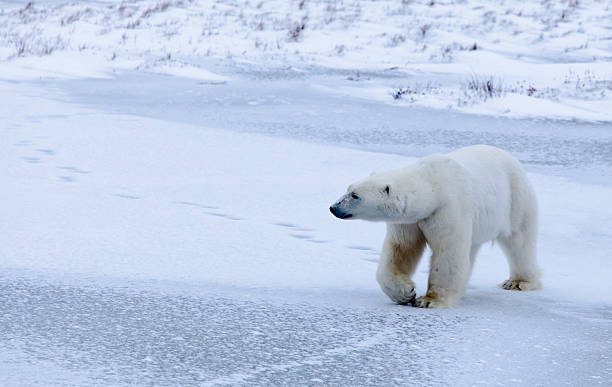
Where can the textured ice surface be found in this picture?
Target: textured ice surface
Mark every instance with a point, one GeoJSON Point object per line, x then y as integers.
{"type": "Point", "coordinates": [124, 333]}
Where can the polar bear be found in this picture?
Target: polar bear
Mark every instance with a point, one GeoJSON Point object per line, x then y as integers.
{"type": "Point", "coordinates": [453, 202]}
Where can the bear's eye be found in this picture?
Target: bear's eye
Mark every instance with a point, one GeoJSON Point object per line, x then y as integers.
{"type": "Point", "coordinates": [386, 190]}
{"type": "Point", "coordinates": [354, 195]}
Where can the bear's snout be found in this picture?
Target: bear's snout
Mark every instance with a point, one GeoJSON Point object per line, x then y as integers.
{"type": "Point", "coordinates": [338, 213]}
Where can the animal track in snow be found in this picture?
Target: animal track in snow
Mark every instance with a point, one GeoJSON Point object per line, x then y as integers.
{"type": "Point", "coordinates": [295, 227]}
{"type": "Point", "coordinates": [298, 232]}
{"type": "Point", "coordinates": [32, 160]}
{"type": "Point", "coordinates": [301, 236]}
{"type": "Point", "coordinates": [366, 250]}
{"type": "Point", "coordinates": [316, 241]}
{"type": "Point", "coordinates": [216, 211]}
{"type": "Point", "coordinates": [126, 196]}
{"type": "Point", "coordinates": [373, 260]}
{"type": "Point", "coordinates": [192, 204]}
{"type": "Point", "coordinates": [70, 179]}
{"type": "Point", "coordinates": [222, 215]}
{"type": "Point", "coordinates": [74, 170]}
{"type": "Point", "coordinates": [288, 225]}
{"type": "Point", "coordinates": [67, 179]}
{"type": "Point", "coordinates": [48, 152]}
{"type": "Point", "coordinates": [361, 248]}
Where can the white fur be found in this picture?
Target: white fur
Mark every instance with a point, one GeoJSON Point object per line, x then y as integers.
{"type": "Point", "coordinates": [455, 203]}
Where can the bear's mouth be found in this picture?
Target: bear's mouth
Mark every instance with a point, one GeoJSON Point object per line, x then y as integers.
{"type": "Point", "coordinates": [338, 213]}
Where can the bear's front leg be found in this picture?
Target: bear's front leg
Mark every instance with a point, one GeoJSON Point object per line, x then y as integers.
{"type": "Point", "coordinates": [402, 250]}
{"type": "Point", "coordinates": [449, 270]}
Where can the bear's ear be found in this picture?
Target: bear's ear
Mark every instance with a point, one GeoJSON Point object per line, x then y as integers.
{"type": "Point", "coordinates": [387, 189]}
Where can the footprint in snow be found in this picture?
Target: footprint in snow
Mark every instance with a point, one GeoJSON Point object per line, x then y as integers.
{"type": "Point", "coordinates": [126, 196]}
{"type": "Point", "coordinates": [32, 160]}
{"type": "Point", "coordinates": [222, 215]}
{"type": "Point", "coordinates": [316, 241]}
{"type": "Point", "coordinates": [74, 170]}
{"type": "Point", "coordinates": [370, 252]}
{"type": "Point", "coordinates": [373, 260]}
{"type": "Point", "coordinates": [207, 207]}
{"type": "Point", "coordinates": [298, 232]}
{"type": "Point", "coordinates": [301, 236]}
{"type": "Point", "coordinates": [193, 204]}
{"type": "Point", "coordinates": [288, 225]}
{"type": "Point", "coordinates": [67, 179]}
{"type": "Point", "coordinates": [48, 152]}
{"type": "Point", "coordinates": [295, 227]}
{"type": "Point", "coordinates": [361, 248]}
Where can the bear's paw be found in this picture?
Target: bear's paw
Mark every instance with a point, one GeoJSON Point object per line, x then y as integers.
{"type": "Point", "coordinates": [519, 285]}
{"type": "Point", "coordinates": [426, 302]}
{"type": "Point", "coordinates": [401, 295]}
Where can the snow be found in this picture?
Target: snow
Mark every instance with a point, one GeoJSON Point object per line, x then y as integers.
{"type": "Point", "coordinates": [109, 171]}
{"type": "Point", "coordinates": [106, 208]}
{"type": "Point", "coordinates": [168, 168]}
{"type": "Point", "coordinates": [191, 72]}
{"type": "Point", "coordinates": [549, 59]}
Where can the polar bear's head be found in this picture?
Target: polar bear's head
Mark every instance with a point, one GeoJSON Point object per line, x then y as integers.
{"type": "Point", "coordinates": [401, 196]}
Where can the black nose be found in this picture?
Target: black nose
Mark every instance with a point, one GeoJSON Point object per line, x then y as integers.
{"type": "Point", "coordinates": [333, 210]}
{"type": "Point", "coordinates": [338, 213]}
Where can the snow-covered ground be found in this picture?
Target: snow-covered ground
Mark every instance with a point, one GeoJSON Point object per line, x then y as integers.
{"type": "Point", "coordinates": [512, 58]}
{"type": "Point", "coordinates": [141, 250]}
{"type": "Point", "coordinates": [168, 168]}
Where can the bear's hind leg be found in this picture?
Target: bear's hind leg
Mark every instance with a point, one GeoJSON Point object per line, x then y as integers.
{"type": "Point", "coordinates": [520, 244]}
{"type": "Point", "coordinates": [402, 251]}
{"type": "Point", "coordinates": [520, 250]}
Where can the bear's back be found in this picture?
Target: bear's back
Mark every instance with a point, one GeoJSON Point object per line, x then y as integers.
{"type": "Point", "coordinates": [496, 181]}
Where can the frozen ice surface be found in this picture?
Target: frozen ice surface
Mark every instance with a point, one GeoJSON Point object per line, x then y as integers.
{"type": "Point", "coordinates": [298, 106]}
{"type": "Point", "coordinates": [138, 337]}
{"type": "Point", "coordinates": [143, 247]}
{"type": "Point", "coordinates": [167, 169]}
{"type": "Point", "coordinates": [127, 333]}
